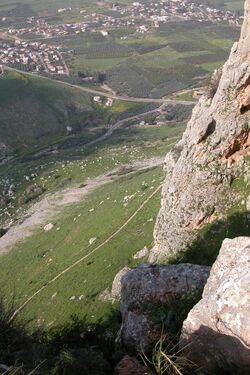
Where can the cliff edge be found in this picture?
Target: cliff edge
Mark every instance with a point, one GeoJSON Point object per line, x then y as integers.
{"type": "Point", "coordinates": [201, 168]}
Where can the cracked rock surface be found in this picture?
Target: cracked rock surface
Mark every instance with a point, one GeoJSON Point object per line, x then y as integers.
{"type": "Point", "coordinates": [217, 330]}
{"type": "Point", "coordinates": [150, 285]}
{"type": "Point", "coordinates": [201, 167]}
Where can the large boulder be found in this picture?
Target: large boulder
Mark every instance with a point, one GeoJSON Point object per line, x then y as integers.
{"type": "Point", "coordinates": [217, 330]}
{"type": "Point", "coordinates": [115, 293]}
{"type": "Point", "coordinates": [146, 287]}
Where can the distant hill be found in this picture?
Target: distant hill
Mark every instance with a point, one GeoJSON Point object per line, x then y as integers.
{"type": "Point", "coordinates": [35, 113]}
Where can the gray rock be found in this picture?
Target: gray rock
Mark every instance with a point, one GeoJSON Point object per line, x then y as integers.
{"type": "Point", "coordinates": [217, 330]}
{"type": "Point", "coordinates": [200, 168]}
{"type": "Point", "coordinates": [92, 240]}
{"type": "Point", "coordinates": [148, 285]}
{"type": "Point", "coordinates": [115, 293]}
{"type": "Point", "coordinates": [245, 33]}
{"type": "Point", "coordinates": [141, 253]}
{"type": "Point", "coordinates": [116, 285]}
{"type": "Point", "coordinates": [48, 227]}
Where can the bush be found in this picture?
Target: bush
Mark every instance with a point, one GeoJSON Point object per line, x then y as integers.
{"type": "Point", "coordinates": [32, 192]}
{"type": "Point", "coordinates": [85, 361]}
{"type": "Point", "coordinates": [171, 314]}
{"type": "Point", "coordinates": [2, 232]}
{"type": "Point", "coordinates": [14, 340]}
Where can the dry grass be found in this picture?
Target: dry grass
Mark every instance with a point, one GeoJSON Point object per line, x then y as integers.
{"type": "Point", "coordinates": [168, 359]}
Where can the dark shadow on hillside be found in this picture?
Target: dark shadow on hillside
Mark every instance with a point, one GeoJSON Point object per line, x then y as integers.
{"type": "Point", "coordinates": [216, 354]}
{"type": "Point", "coordinates": [74, 348]}
{"type": "Point", "coordinates": [205, 248]}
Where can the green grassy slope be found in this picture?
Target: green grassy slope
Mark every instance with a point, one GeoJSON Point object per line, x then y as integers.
{"type": "Point", "coordinates": [35, 113]}
{"type": "Point", "coordinates": [69, 240]}
{"type": "Point", "coordinates": [44, 255]}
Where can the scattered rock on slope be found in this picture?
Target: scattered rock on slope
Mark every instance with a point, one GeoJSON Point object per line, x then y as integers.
{"type": "Point", "coordinates": [201, 167]}
{"type": "Point", "coordinates": [48, 227]}
{"type": "Point", "coordinates": [148, 286]}
{"type": "Point", "coordinates": [217, 330]}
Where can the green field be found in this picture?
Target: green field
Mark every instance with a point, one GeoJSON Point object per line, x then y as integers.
{"type": "Point", "coordinates": [44, 255]}
{"type": "Point", "coordinates": [54, 280]}
{"type": "Point", "coordinates": [119, 215]}
{"type": "Point", "coordinates": [36, 113]}
{"type": "Point", "coordinates": [175, 56]}
{"type": "Point", "coordinates": [53, 6]}
{"type": "Point", "coordinates": [171, 59]}
{"type": "Point", "coordinates": [68, 241]}
{"type": "Point", "coordinates": [72, 166]}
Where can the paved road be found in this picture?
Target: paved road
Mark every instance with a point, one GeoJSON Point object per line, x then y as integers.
{"type": "Point", "coordinates": [108, 94]}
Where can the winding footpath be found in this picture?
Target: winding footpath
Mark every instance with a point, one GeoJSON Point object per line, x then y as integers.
{"type": "Point", "coordinates": [45, 209]}
{"type": "Point", "coordinates": [69, 268]}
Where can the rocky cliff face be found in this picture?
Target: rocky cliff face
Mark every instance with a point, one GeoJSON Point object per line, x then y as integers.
{"type": "Point", "coordinates": [202, 166]}
{"type": "Point", "coordinates": [147, 287]}
{"type": "Point", "coordinates": [216, 333]}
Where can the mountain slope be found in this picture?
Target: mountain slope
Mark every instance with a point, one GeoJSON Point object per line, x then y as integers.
{"type": "Point", "coordinates": [207, 183]}
{"type": "Point", "coordinates": [35, 113]}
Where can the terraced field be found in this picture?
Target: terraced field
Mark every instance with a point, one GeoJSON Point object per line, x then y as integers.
{"type": "Point", "coordinates": [175, 56]}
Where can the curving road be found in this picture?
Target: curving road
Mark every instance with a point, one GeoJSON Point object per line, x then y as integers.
{"type": "Point", "coordinates": [119, 123]}
{"type": "Point", "coordinates": [108, 94]}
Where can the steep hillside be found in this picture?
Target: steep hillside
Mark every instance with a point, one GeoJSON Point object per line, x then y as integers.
{"type": "Point", "coordinates": [35, 113]}
{"type": "Point", "coordinates": [207, 184]}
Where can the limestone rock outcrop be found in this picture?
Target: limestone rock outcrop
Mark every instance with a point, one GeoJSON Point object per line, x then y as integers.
{"type": "Point", "coordinates": [216, 332]}
{"type": "Point", "coordinates": [147, 286]}
{"type": "Point", "coordinates": [117, 285]}
{"type": "Point", "coordinates": [202, 166]}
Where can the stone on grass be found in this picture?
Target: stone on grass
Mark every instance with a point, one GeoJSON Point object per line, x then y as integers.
{"type": "Point", "coordinates": [141, 253]}
{"type": "Point", "coordinates": [48, 227]}
{"type": "Point", "coordinates": [92, 240]}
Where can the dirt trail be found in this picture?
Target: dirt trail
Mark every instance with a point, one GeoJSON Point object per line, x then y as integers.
{"type": "Point", "coordinates": [69, 268]}
{"type": "Point", "coordinates": [43, 211]}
